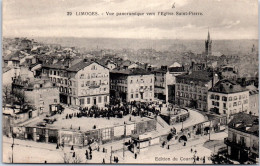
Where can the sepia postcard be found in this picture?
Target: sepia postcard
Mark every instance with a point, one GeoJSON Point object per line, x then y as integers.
{"type": "Point", "coordinates": [130, 82]}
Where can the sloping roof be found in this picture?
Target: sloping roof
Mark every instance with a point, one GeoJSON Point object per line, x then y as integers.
{"type": "Point", "coordinates": [197, 75]}
{"type": "Point", "coordinates": [82, 64]}
{"type": "Point", "coordinates": [246, 123]}
{"type": "Point", "coordinates": [134, 71]}
{"type": "Point", "coordinates": [227, 87]}
{"type": "Point", "coordinates": [176, 69]}
{"type": "Point", "coordinates": [175, 64]}
{"type": "Point", "coordinates": [79, 66]}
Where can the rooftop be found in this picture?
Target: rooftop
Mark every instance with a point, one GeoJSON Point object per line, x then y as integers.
{"type": "Point", "coordinates": [197, 76]}
{"type": "Point", "coordinates": [226, 86]}
{"type": "Point", "coordinates": [246, 123]}
{"type": "Point", "coordinates": [134, 71]}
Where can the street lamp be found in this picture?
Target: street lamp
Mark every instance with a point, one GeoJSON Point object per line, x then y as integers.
{"type": "Point", "coordinates": [12, 146]}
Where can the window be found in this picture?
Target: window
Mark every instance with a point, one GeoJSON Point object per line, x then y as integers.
{"type": "Point", "coordinates": [182, 87]}
{"type": "Point", "coordinates": [88, 100]}
{"type": "Point", "coordinates": [213, 103]}
{"type": "Point", "coordinates": [105, 99]}
{"type": "Point", "coordinates": [217, 97]}
{"type": "Point", "coordinates": [224, 105]}
{"type": "Point", "coordinates": [106, 134]}
{"type": "Point", "coordinates": [224, 98]}
{"type": "Point", "coordinates": [234, 104]}
{"type": "Point", "coordinates": [66, 82]}
{"type": "Point", "coordinates": [234, 137]}
{"type": "Point", "coordinates": [131, 81]}
{"type": "Point", "coordinates": [99, 99]}
{"type": "Point", "coordinates": [54, 72]}
{"type": "Point", "coordinates": [240, 97]}
{"type": "Point", "coordinates": [136, 95]}
{"type": "Point", "coordinates": [242, 140]}
{"type": "Point", "coordinates": [235, 97]}
{"type": "Point", "coordinates": [230, 98]}
{"type": "Point", "coordinates": [55, 100]}
{"type": "Point", "coordinates": [224, 111]}
{"type": "Point", "coordinates": [93, 67]}
{"type": "Point", "coordinates": [239, 103]}
{"type": "Point", "coordinates": [132, 96]}
{"type": "Point", "coordinates": [212, 96]}
{"type": "Point", "coordinates": [151, 88]}
{"type": "Point", "coordinates": [81, 101]}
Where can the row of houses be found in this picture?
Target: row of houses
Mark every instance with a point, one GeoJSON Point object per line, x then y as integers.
{"type": "Point", "coordinates": [85, 83]}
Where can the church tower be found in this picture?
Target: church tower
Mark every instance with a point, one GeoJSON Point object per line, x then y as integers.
{"type": "Point", "coordinates": [208, 44]}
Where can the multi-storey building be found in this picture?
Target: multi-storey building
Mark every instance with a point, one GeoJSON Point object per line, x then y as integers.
{"type": "Point", "coordinates": [38, 92]}
{"type": "Point", "coordinates": [228, 98]}
{"type": "Point", "coordinates": [164, 81]}
{"type": "Point", "coordinates": [84, 84]}
{"type": "Point", "coordinates": [243, 138]}
{"type": "Point", "coordinates": [132, 85]}
{"type": "Point", "coordinates": [160, 83]}
{"type": "Point", "coordinates": [191, 89]}
{"type": "Point", "coordinates": [253, 100]}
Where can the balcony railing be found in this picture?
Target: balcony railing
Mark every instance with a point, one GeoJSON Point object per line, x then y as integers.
{"type": "Point", "coordinates": [239, 145]}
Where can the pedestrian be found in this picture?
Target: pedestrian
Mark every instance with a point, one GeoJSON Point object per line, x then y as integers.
{"type": "Point", "coordinates": [103, 150]}
{"type": "Point", "coordinates": [135, 155]}
{"type": "Point", "coordinates": [168, 146]}
{"type": "Point", "coordinates": [74, 154]}
{"type": "Point", "coordinates": [72, 148]}
{"type": "Point", "coordinates": [204, 160]}
{"type": "Point", "coordinates": [90, 156]}
{"type": "Point", "coordinates": [86, 154]}
{"type": "Point", "coordinates": [191, 150]}
{"type": "Point", "coordinates": [184, 143]}
{"type": "Point", "coordinates": [103, 161]}
{"type": "Point", "coordinates": [195, 151]}
{"type": "Point", "coordinates": [45, 161]}
{"type": "Point", "coordinates": [57, 147]}
{"type": "Point", "coordinates": [198, 158]}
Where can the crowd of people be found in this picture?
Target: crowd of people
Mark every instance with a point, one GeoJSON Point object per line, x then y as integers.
{"type": "Point", "coordinates": [119, 110]}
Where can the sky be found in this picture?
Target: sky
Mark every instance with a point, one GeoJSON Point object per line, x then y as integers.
{"type": "Point", "coordinates": [225, 19]}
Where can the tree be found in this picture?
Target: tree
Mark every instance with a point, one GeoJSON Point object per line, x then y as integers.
{"type": "Point", "coordinates": [6, 94]}
{"type": "Point", "coordinates": [21, 100]}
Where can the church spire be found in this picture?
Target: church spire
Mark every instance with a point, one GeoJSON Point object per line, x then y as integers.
{"type": "Point", "coordinates": [208, 35]}
{"type": "Point", "coordinates": [208, 43]}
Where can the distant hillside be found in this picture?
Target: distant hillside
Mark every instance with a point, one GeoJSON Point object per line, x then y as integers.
{"type": "Point", "coordinates": [196, 46]}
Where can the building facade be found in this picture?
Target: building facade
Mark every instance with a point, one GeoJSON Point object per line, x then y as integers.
{"type": "Point", "coordinates": [191, 89]}
{"type": "Point", "coordinates": [243, 138]}
{"type": "Point", "coordinates": [228, 98]}
{"type": "Point", "coordinates": [132, 85]}
{"type": "Point", "coordinates": [83, 84]}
